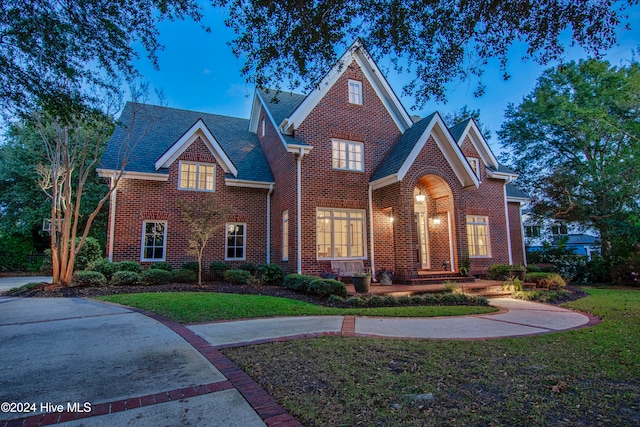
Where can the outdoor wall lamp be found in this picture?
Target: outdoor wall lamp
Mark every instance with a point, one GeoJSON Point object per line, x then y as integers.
{"type": "Point", "coordinates": [420, 198]}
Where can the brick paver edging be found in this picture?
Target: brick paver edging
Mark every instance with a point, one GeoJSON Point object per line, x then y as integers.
{"type": "Point", "coordinates": [263, 403]}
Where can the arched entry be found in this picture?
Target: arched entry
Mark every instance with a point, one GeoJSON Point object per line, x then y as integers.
{"type": "Point", "coordinates": [434, 226]}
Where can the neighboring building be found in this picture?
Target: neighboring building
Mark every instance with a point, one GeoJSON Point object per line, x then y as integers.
{"type": "Point", "coordinates": [572, 236]}
{"type": "Point", "coordinates": [341, 174]}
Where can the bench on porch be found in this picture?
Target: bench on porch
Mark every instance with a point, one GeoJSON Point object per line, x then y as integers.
{"type": "Point", "coordinates": [348, 268]}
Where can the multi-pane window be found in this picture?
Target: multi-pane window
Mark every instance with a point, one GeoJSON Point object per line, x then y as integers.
{"type": "Point", "coordinates": [355, 92]}
{"type": "Point", "coordinates": [235, 248]}
{"type": "Point", "coordinates": [559, 229]}
{"type": "Point", "coordinates": [348, 155]}
{"type": "Point", "coordinates": [475, 165]}
{"type": "Point", "coordinates": [285, 235]}
{"type": "Point", "coordinates": [340, 233]}
{"type": "Point", "coordinates": [154, 239]}
{"type": "Point", "coordinates": [478, 235]}
{"type": "Point", "coordinates": [197, 176]}
{"type": "Point", "coordinates": [532, 230]}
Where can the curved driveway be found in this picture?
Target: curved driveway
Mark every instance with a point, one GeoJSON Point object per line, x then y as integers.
{"type": "Point", "coordinates": [136, 368]}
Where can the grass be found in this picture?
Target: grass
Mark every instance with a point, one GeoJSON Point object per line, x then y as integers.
{"type": "Point", "coordinates": [192, 307]}
{"type": "Point", "coordinates": [589, 376]}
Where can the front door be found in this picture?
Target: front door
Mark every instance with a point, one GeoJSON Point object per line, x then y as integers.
{"type": "Point", "coordinates": [423, 240]}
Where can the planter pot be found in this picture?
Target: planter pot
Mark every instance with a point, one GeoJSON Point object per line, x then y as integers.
{"type": "Point", "coordinates": [520, 274]}
{"type": "Point", "coordinates": [361, 284]}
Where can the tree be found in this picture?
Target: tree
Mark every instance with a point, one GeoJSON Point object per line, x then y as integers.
{"type": "Point", "coordinates": [203, 216]}
{"type": "Point", "coordinates": [575, 140]}
{"type": "Point", "coordinates": [437, 41]}
{"type": "Point", "coordinates": [23, 204]}
{"type": "Point", "coordinates": [457, 116]}
{"type": "Point", "coordinates": [55, 55]}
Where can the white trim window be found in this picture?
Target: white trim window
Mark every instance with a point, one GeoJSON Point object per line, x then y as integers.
{"type": "Point", "coordinates": [340, 234]}
{"type": "Point", "coordinates": [285, 235]}
{"type": "Point", "coordinates": [478, 236]}
{"type": "Point", "coordinates": [475, 165]}
{"type": "Point", "coordinates": [236, 241]}
{"type": "Point", "coordinates": [197, 176]}
{"type": "Point", "coordinates": [347, 155]}
{"type": "Point", "coordinates": [154, 241]}
{"type": "Point", "coordinates": [355, 92]}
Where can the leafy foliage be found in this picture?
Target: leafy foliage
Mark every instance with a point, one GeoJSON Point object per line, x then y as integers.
{"type": "Point", "coordinates": [297, 282]}
{"type": "Point", "coordinates": [88, 278]}
{"type": "Point", "coordinates": [498, 271]}
{"type": "Point", "coordinates": [129, 266]}
{"type": "Point", "coordinates": [565, 261]}
{"type": "Point", "coordinates": [90, 252]}
{"type": "Point", "coordinates": [271, 274]}
{"type": "Point", "coordinates": [218, 268]}
{"type": "Point", "coordinates": [155, 276]}
{"type": "Point", "coordinates": [575, 140]}
{"type": "Point", "coordinates": [161, 266]}
{"type": "Point", "coordinates": [237, 277]}
{"type": "Point", "coordinates": [104, 266]}
{"type": "Point", "coordinates": [437, 41]}
{"type": "Point", "coordinates": [182, 275]}
{"type": "Point", "coordinates": [125, 278]}
{"type": "Point", "coordinates": [58, 54]}
{"type": "Point", "coordinates": [546, 280]}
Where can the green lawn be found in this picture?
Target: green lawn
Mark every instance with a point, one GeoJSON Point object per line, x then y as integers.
{"type": "Point", "coordinates": [586, 377]}
{"type": "Point", "coordinates": [192, 307]}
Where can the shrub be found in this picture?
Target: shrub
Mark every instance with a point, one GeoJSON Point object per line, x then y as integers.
{"type": "Point", "coordinates": [237, 277]}
{"type": "Point", "coordinates": [627, 272]}
{"type": "Point", "coordinates": [183, 275]}
{"type": "Point", "coordinates": [218, 268]}
{"type": "Point", "coordinates": [335, 299]}
{"type": "Point", "coordinates": [356, 302]}
{"type": "Point", "coordinates": [375, 301]}
{"type": "Point", "coordinates": [247, 266]}
{"type": "Point", "coordinates": [513, 285]}
{"type": "Point", "coordinates": [193, 266]}
{"type": "Point", "coordinates": [546, 280]}
{"type": "Point", "coordinates": [155, 276]}
{"type": "Point", "coordinates": [90, 252]}
{"type": "Point", "coordinates": [125, 278]}
{"type": "Point", "coordinates": [104, 266]}
{"type": "Point", "coordinates": [297, 282]}
{"type": "Point", "coordinates": [129, 266]}
{"type": "Point", "coordinates": [271, 274]}
{"type": "Point", "coordinates": [323, 288]}
{"type": "Point", "coordinates": [161, 266]}
{"type": "Point", "coordinates": [498, 271]}
{"type": "Point", "coordinates": [88, 278]}
{"type": "Point", "coordinates": [450, 286]}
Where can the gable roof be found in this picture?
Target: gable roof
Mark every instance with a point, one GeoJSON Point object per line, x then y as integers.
{"type": "Point", "coordinates": [356, 53]}
{"type": "Point", "coordinates": [405, 151]}
{"type": "Point", "coordinates": [156, 133]}
{"type": "Point", "coordinates": [470, 128]}
{"type": "Point", "coordinates": [514, 194]}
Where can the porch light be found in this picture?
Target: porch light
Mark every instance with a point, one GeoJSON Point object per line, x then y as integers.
{"type": "Point", "coordinates": [436, 219]}
{"type": "Point", "coordinates": [420, 198]}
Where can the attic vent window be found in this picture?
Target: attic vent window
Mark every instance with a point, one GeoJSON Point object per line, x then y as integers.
{"type": "Point", "coordinates": [355, 92]}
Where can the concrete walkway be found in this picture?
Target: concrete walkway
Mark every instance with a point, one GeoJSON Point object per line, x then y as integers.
{"type": "Point", "coordinates": [127, 367]}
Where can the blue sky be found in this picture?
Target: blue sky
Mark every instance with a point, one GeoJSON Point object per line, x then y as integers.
{"type": "Point", "coordinates": [199, 72]}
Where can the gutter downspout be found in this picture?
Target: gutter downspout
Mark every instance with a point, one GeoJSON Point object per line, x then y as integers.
{"type": "Point", "coordinates": [299, 209]}
{"type": "Point", "coordinates": [269, 223]}
{"type": "Point", "coordinates": [373, 262]}
{"type": "Point", "coordinates": [506, 213]}
{"type": "Point", "coordinates": [112, 219]}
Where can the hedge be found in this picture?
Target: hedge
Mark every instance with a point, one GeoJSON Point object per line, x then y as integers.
{"type": "Point", "coordinates": [125, 278]}
{"type": "Point", "coordinates": [237, 277]}
{"type": "Point", "coordinates": [88, 278]}
{"type": "Point", "coordinates": [155, 276]}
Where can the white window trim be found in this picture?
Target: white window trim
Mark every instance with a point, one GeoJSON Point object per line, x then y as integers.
{"type": "Point", "coordinates": [285, 235]}
{"type": "Point", "coordinates": [357, 84]}
{"type": "Point", "coordinates": [244, 241]}
{"type": "Point", "coordinates": [164, 242]}
{"type": "Point", "coordinates": [364, 235]}
{"type": "Point", "coordinates": [474, 162]}
{"type": "Point", "coordinates": [198, 164]}
{"type": "Point", "coordinates": [486, 223]}
{"type": "Point", "coordinates": [263, 127]}
{"type": "Point", "coordinates": [349, 154]}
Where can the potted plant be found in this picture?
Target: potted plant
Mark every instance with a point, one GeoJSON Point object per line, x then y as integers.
{"type": "Point", "coordinates": [464, 264]}
{"type": "Point", "coordinates": [518, 271]}
{"type": "Point", "coordinates": [361, 282]}
{"type": "Point", "coordinates": [385, 276]}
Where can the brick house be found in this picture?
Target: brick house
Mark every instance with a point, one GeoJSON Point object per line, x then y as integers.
{"type": "Point", "coordinates": [341, 174]}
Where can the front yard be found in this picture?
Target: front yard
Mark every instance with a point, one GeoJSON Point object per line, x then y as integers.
{"type": "Point", "coordinates": [584, 377]}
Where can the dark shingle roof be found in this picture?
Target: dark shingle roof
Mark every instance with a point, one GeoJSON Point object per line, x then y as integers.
{"type": "Point", "coordinates": [281, 105]}
{"type": "Point", "coordinates": [513, 191]}
{"type": "Point", "coordinates": [456, 131]}
{"type": "Point", "coordinates": [401, 150]}
{"type": "Point", "coordinates": [577, 239]}
{"type": "Point", "coordinates": [155, 129]}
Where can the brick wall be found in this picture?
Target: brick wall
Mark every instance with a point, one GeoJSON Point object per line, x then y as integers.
{"type": "Point", "coordinates": [517, 244]}
{"type": "Point", "coordinates": [139, 200]}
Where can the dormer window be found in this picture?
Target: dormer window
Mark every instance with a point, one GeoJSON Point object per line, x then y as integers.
{"type": "Point", "coordinates": [197, 176]}
{"type": "Point", "coordinates": [355, 92]}
{"type": "Point", "coordinates": [475, 165]}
